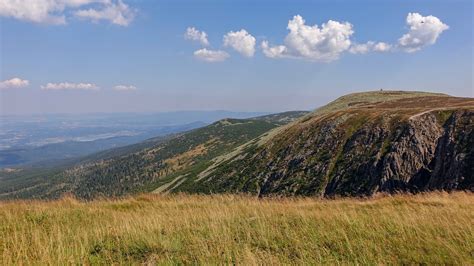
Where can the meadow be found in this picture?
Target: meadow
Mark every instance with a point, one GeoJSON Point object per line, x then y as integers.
{"type": "Point", "coordinates": [432, 228]}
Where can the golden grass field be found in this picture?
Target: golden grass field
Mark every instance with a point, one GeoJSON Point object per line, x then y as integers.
{"type": "Point", "coordinates": [435, 228]}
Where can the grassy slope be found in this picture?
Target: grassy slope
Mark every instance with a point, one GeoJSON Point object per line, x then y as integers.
{"type": "Point", "coordinates": [366, 98]}
{"type": "Point", "coordinates": [434, 228]}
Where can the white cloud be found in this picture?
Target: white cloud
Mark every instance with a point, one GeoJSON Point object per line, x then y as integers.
{"type": "Point", "coordinates": [273, 52]}
{"type": "Point", "coordinates": [382, 47]}
{"type": "Point", "coordinates": [211, 55]}
{"type": "Point", "coordinates": [14, 83]}
{"type": "Point", "coordinates": [423, 31]}
{"type": "Point", "coordinates": [55, 11]}
{"type": "Point", "coordinates": [241, 41]}
{"type": "Point", "coordinates": [117, 13]}
{"type": "Point", "coordinates": [125, 88]}
{"type": "Point", "coordinates": [196, 35]}
{"type": "Point", "coordinates": [370, 46]}
{"type": "Point", "coordinates": [49, 12]}
{"type": "Point", "coordinates": [328, 42]}
{"type": "Point", "coordinates": [314, 43]}
{"type": "Point", "coordinates": [69, 86]}
{"type": "Point", "coordinates": [361, 48]}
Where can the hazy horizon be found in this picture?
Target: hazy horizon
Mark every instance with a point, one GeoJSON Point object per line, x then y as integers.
{"type": "Point", "coordinates": [118, 113]}
{"type": "Point", "coordinates": [151, 112]}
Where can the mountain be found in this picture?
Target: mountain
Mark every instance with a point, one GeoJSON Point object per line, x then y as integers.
{"type": "Point", "coordinates": [359, 144]}
{"type": "Point", "coordinates": [144, 166]}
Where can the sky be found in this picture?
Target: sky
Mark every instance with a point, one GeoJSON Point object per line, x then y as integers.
{"type": "Point", "coordinates": [87, 56]}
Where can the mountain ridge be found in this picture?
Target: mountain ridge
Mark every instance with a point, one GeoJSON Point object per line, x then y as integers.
{"type": "Point", "coordinates": [356, 145]}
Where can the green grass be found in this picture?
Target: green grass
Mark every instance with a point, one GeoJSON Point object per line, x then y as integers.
{"type": "Point", "coordinates": [435, 228]}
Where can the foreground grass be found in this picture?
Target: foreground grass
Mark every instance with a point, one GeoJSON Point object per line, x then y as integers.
{"type": "Point", "coordinates": [432, 228]}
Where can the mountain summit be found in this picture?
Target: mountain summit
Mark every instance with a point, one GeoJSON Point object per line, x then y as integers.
{"type": "Point", "coordinates": [359, 144]}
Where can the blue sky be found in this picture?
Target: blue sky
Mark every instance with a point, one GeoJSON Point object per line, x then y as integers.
{"type": "Point", "coordinates": [86, 48]}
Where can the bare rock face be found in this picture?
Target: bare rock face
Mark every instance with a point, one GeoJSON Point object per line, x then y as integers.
{"type": "Point", "coordinates": [388, 147]}
{"type": "Point", "coordinates": [411, 153]}
{"type": "Point", "coordinates": [419, 154]}
{"type": "Point", "coordinates": [454, 156]}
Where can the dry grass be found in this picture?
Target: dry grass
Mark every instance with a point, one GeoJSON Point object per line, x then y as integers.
{"type": "Point", "coordinates": [434, 228]}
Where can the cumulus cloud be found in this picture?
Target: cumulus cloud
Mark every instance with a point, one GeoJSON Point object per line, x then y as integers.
{"type": "Point", "coordinates": [314, 43]}
{"type": "Point", "coordinates": [370, 46]}
{"type": "Point", "coordinates": [211, 55]}
{"type": "Point", "coordinates": [69, 86]}
{"type": "Point", "coordinates": [117, 13]}
{"type": "Point", "coordinates": [125, 88]}
{"type": "Point", "coordinates": [14, 83]}
{"type": "Point", "coordinates": [196, 35]}
{"type": "Point", "coordinates": [274, 51]}
{"type": "Point", "coordinates": [328, 42]}
{"type": "Point", "coordinates": [55, 11]}
{"type": "Point", "coordinates": [241, 41]}
{"type": "Point", "coordinates": [423, 31]}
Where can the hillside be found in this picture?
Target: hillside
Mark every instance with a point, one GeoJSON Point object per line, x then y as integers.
{"type": "Point", "coordinates": [359, 144]}
{"type": "Point", "coordinates": [144, 166]}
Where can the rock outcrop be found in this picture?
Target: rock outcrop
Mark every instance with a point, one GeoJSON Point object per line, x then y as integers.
{"type": "Point", "coordinates": [406, 144]}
